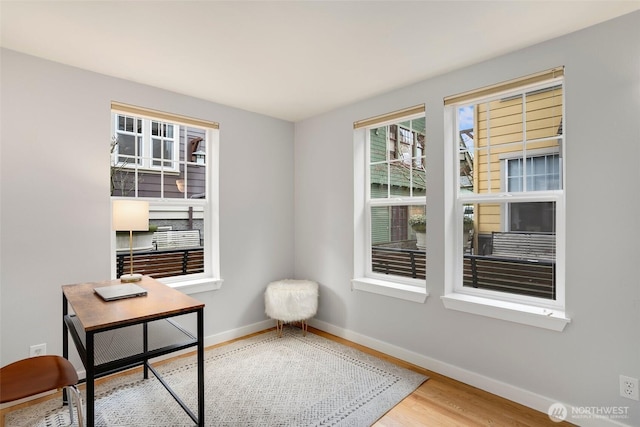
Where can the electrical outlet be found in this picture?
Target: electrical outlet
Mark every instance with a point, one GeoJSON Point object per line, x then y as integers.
{"type": "Point", "coordinates": [629, 388]}
{"type": "Point", "coordinates": [38, 350]}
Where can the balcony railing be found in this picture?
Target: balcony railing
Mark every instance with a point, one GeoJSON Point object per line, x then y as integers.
{"type": "Point", "coordinates": [399, 262]}
{"type": "Point", "coordinates": [163, 263]}
{"type": "Point", "coordinates": [512, 275]}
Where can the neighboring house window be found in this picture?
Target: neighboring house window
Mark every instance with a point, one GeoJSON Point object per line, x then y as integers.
{"type": "Point", "coordinates": [507, 204]}
{"type": "Point", "coordinates": [163, 144]}
{"type": "Point", "coordinates": [543, 173]}
{"type": "Point", "coordinates": [145, 143]}
{"type": "Point", "coordinates": [171, 162]}
{"type": "Point", "coordinates": [390, 205]}
{"type": "Point", "coordinates": [128, 133]}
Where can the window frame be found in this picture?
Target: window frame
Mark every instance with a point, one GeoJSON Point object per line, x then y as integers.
{"type": "Point", "coordinates": [364, 278]}
{"type": "Point", "coordinates": [210, 279]}
{"type": "Point", "coordinates": [528, 310]}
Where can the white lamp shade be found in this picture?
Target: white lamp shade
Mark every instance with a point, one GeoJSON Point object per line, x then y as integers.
{"type": "Point", "coordinates": [130, 215]}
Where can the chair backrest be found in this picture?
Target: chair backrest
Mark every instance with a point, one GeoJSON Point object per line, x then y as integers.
{"type": "Point", "coordinates": [28, 377]}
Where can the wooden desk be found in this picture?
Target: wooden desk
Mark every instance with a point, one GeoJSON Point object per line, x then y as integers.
{"type": "Point", "coordinates": [117, 335]}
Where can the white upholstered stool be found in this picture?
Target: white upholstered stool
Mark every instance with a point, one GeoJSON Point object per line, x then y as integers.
{"type": "Point", "coordinates": [289, 301]}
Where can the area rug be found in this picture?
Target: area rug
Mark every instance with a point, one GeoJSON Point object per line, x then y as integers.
{"type": "Point", "coordinates": [261, 381]}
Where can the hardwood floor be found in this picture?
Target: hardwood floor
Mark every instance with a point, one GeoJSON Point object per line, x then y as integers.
{"type": "Point", "coordinates": [442, 401]}
{"type": "Point", "coordinates": [439, 401]}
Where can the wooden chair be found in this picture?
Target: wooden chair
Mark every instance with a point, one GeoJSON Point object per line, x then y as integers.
{"type": "Point", "coordinates": [28, 377]}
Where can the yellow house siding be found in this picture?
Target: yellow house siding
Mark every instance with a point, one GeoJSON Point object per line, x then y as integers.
{"type": "Point", "coordinates": [544, 113]}
{"type": "Point", "coordinates": [503, 120]}
{"type": "Point", "coordinates": [490, 214]}
{"type": "Point", "coordinates": [502, 128]}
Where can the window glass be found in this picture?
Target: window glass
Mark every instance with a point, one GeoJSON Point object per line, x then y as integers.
{"type": "Point", "coordinates": [129, 140]}
{"type": "Point", "coordinates": [153, 160]}
{"type": "Point", "coordinates": [398, 241]}
{"type": "Point", "coordinates": [397, 188]}
{"type": "Point", "coordinates": [510, 164]}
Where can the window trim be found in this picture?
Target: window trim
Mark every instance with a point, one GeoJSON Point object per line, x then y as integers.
{"type": "Point", "coordinates": [524, 314]}
{"type": "Point", "coordinates": [364, 279]}
{"type": "Point", "coordinates": [510, 307]}
{"type": "Point", "coordinates": [210, 279]}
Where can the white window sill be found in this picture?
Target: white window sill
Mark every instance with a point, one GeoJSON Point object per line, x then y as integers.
{"type": "Point", "coordinates": [390, 289]}
{"type": "Point", "coordinates": [539, 317]}
{"type": "Point", "coordinates": [195, 286]}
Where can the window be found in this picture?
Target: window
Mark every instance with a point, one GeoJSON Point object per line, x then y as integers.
{"type": "Point", "coordinates": [171, 162]}
{"type": "Point", "coordinates": [390, 205]}
{"type": "Point", "coordinates": [543, 173]}
{"type": "Point", "coordinates": [145, 143]}
{"type": "Point", "coordinates": [507, 201]}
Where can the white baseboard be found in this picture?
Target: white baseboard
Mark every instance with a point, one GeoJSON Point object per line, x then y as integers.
{"type": "Point", "coordinates": [238, 332]}
{"type": "Point", "coordinates": [516, 394]}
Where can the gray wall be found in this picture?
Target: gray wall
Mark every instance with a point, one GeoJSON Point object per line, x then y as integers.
{"type": "Point", "coordinates": [579, 366]}
{"type": "Point", "coordinates": [54, 196]}
{"type": "Point", "coordinates": [54, 185]}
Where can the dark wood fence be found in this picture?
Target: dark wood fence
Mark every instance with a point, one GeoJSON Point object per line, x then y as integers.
{"type": "Point", "coordinates": [163, 263]}
{"type": "Point", "coordinates": [512, 275]}
{"type": "Point", "coordinates": [516, 276]}
{"type": "Point", "coordinates": [399, 262]}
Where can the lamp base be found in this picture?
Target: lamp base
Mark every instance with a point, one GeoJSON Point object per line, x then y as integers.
{"type": "Point", "coordinates": [127, 278]}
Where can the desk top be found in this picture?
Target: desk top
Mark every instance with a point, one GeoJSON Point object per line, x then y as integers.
{"type": "Point", "coordinates": [95, 314]}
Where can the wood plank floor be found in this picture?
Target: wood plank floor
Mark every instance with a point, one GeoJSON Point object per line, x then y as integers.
{"type": "Point", "coordinates": [440, 401]}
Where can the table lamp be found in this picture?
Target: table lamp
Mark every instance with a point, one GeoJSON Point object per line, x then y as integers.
{"type": "Point", "coordinates": [130, 215]}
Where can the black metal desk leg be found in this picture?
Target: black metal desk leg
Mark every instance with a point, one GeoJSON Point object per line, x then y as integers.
{"type": "Point", "coordinates": [90, 380]}
{"type": "Point", "coordinates": [65, 342]}
{"type": "Point", "coordinates": [201, 367]}
{"type": "Point", "coordinates": [145, 347]}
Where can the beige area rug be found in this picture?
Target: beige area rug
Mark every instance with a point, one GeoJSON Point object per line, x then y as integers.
{"type": "Point", "coordinates": [259, 381]}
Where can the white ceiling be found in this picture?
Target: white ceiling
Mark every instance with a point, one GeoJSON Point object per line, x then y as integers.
{"type": "Point", "coordinates": [290, 60]}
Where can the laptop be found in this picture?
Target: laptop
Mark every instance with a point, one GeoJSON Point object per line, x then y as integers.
{"type": "Point", "coordinates": [116, 292]}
